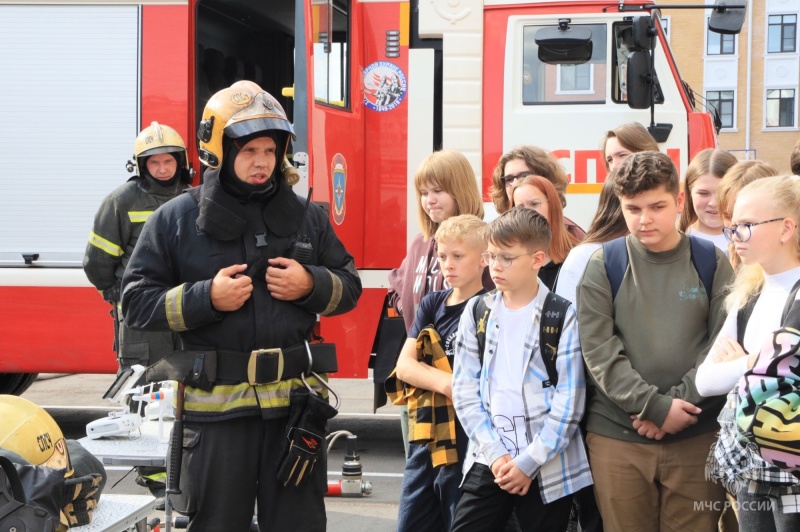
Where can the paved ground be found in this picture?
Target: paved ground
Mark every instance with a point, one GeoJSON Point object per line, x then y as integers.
{"type": "Point", "coordinates": [74, 400]}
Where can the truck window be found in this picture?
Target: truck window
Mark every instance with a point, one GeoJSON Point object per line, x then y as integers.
{"type": "Point", "coordinates": [622, 47]}
{"type": "Point", "coordinates": [331, 52]}
{"type": "Point", "coordinates": [559, 84]}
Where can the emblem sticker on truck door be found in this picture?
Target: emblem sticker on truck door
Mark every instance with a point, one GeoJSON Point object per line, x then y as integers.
{"type": "Point", "coordinates": [384, 86]}
{"type": "Point", "coordinates": [339, 177]}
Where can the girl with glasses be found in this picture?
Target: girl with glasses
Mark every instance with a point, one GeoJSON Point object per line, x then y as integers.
{"type": "Point", "coordinates": [525, 161]}
{"type": "Point", "coordinates": [700, 216]}
{"type": "Point", "coordinates": [737, 177]}
{"type": "Point", "coordinates": [764, 235]}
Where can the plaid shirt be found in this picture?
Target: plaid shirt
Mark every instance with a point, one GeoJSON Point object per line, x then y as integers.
{"type": "Point", "coordinates": [736, 463]}
{"type": "Point", "coordinates": [431, 418]}
{"type": "Point", "coordinates": [556, 454]}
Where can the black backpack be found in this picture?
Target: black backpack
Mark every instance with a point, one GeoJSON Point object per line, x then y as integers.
{"type": "Point", "coordinates": [704, 259]}
{"type": "Point", "coordinates": [15, 513]}
{"type": "Point", "coordinates": [554, 312]}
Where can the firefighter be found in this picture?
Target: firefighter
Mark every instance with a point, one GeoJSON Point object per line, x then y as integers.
{"type": "Point", "coordinates": [240, 267]}
{"type": "Point", "coordinates": [162, 173]}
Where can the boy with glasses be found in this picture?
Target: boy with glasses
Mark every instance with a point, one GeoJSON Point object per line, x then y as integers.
{"type": "Point", "coordinates": [525, 452]}
{"type": "Point", "coordinates": [648, 429]}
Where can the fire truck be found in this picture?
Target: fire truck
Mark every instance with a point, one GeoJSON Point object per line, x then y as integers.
{"type": "Point", "coordinates": [372, 87]}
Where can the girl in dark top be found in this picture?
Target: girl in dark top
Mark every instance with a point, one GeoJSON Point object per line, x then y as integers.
{"type": "Point", "coordinates": [537, 193]}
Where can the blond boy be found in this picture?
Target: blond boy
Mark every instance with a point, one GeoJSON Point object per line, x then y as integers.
{"type": "Point", "coordinates": [429, 494]}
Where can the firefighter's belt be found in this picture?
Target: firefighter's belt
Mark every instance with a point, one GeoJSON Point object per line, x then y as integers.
{"type": "Point", "coordinates": [260, 366]}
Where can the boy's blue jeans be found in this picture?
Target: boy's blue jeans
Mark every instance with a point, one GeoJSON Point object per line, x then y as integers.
{"type": "Point", "coordinates": [428, 496]}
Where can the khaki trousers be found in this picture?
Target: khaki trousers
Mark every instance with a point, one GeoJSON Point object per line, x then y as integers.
{"type": "Point", "coordinates": [656, 486]}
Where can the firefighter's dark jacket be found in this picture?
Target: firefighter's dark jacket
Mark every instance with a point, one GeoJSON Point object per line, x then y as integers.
{"type": "Point", "coordinates": [117, 226]}
{"type": "Point", "coordinates": [167, 284]}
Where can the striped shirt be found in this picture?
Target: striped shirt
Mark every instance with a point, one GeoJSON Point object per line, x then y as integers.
{"type": "Point", "coordinates": [556, 456]}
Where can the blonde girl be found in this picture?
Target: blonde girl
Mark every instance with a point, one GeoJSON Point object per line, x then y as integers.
{"type": "Point", "coordinates": [446, 186]}
{"type": "Point", "coordinates": [764, 234]}
{"type": "Point", "coordinates": [737, 177]}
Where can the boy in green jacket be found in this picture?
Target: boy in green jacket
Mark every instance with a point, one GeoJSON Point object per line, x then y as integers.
{"type": "Point", "coordinates": [649, 431]}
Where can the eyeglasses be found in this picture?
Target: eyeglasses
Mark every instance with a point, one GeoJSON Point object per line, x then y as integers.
{"type": "Point", "coordinates": [534, 204]}
{"type": "Point", "coordinates": [744, 231]}
{"type": "Point", "coordinates": [504, 260]}
{"type": "Point", "coordinates": [510, 178]}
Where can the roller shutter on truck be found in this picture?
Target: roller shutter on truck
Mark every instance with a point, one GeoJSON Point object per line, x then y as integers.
{"type": "Point", "coordinates": [69, 112]}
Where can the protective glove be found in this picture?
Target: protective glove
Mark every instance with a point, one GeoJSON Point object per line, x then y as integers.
{"type": "Point", "coordinates": [112, 293]}
{"type": "Point", "coordinates": [79, 499]}
{"type": "Point", "coordinates": [308, 416]}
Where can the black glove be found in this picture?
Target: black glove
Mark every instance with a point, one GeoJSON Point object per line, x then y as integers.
{"type": "Point", "coordinates": [308, 415]}
{"type": "Point", "coordinates": [112, 293]}
{"type": "Point", "coordinates": [80, 500]}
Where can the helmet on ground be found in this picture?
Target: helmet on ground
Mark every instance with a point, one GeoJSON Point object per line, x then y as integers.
{"type": "Point", "coordinates": [28, 430]}
{"type": "Point", "coordinates": [158, 138]}
{"type": "Point", "coordinates": [240, 110]}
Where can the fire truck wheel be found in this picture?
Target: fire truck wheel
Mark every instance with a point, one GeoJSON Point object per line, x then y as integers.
{"type": "Point", "coordinates": [15, 383]}
{"type": "Point", "coordinates": [25, 383]}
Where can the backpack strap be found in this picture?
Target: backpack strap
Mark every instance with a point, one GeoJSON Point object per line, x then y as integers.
{"type": "Point", "coordinates": [480, 313]}
{"type": "Point", "coordinates": [554, 312]}
{"type": "Point", "coordinates": [703, 253]}
{"type": "Point", "coordinates": [12, 476]}
{"type": "Point", "coordinates": [704, 258]}
{"type": "Point", "coordinates": [743, 316]}
{"type": "Point", "coordinates": [615, 257]}
{"type": "Point", "coordinates": [789, 303]}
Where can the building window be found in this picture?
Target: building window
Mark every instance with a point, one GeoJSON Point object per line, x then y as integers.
{"type": "Point", "coordinates": [781, 33]}
{"type": "Point", "coordinates": [721, 102]}
{"type": "Point", "coordinates": [780, 108]}
{"type": "Point", "coordinates": [573, 78]}
{"type": "Point", "coordinates": [720, 44]}
{"type": "Point", "coordinates": [665, 27]}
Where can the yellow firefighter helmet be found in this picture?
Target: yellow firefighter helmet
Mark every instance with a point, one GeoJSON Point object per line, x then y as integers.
{"type": "Point", "coordinates": [158, 138]}
{"type": "Point", "coordinates": [242, 109]}
{"type": "Point", "coordinates": [29, 431]}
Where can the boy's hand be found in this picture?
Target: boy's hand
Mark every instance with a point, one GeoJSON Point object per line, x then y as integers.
{"type": "Point", "coordinates": [727, 349]}
{"type": "Point", "coordinates": [647, 429]}
{"type": "Point", "coordinates": [681, 415]}
{"type": "Point", "coordinates": [500, 462]}
{"type": "Point", "coordinates": [512, 479]}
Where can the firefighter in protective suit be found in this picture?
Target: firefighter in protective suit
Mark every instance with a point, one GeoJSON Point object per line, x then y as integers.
{"type": "Point", "coordinates": [240, 267]}
{"type": "Point", "coordinates": [162, 167]}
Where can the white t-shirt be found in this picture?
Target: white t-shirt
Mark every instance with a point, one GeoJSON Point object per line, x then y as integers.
{"type": "Point", "coordinates": [506, 374]}
{"type": "Point", "coordinates": [718, 240]}
{"type": "Point", "coordinates": [572, 270]}
{"type": "Point", "coordinates": [718, 378]}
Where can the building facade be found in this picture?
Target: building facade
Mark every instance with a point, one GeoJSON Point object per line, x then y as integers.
{"type": "Point", "coordinates": [752, 79]}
